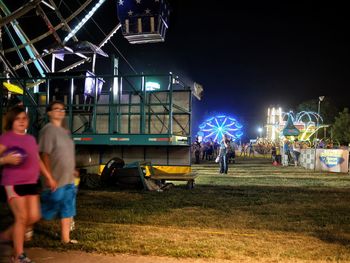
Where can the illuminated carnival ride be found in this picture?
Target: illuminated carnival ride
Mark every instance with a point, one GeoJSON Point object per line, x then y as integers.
{"type": "Point", "coordinates": [115, 120]}
{"type": "Point", "coordinates": [215, 127]}
{"type": "Point", "coordinates": [304, 125]}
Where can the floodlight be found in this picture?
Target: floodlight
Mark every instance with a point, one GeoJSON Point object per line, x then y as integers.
{"type": "Point", "coordinates": [150, 86]}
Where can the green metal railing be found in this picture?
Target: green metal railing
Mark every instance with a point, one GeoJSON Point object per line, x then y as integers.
{"type": "Point", "coordinates": [122, 111]}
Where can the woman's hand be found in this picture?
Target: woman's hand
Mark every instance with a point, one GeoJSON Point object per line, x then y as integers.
{"type": "Point", "coordinates": [12, 158]}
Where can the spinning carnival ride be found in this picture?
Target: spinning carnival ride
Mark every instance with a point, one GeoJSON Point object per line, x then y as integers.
{"type": "Point", "coordinates": [306, 122]}
{"type": "Point", "coordinates": [215, 127]}
{"type": "Point", "coordinates": [110, 115]}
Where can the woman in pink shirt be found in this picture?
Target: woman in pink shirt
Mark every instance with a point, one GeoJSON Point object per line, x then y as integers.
{"type": "Point", "coordinates": [21, 169]}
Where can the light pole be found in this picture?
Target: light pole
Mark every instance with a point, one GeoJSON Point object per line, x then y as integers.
{"type": "Point", "coordinates": [320, 99]}
{"type": "Point", "coordinates": [260, 131]}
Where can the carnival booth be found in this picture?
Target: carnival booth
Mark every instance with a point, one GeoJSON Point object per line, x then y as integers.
{"type": "Point", "coordinates": [315, 158]}
{"type": "Point", "coordinates": [331, 160]}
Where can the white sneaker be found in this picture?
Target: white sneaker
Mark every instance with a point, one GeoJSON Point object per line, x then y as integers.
{"type": "Point", "coordinates": [28, 236]}
{"type": "Point", "coordinates": [21, 259]}
{"type": "Point", "coordinates": [72, 224]}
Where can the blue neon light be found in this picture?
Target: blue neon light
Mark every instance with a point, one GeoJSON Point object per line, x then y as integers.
{"type": "Point", "coordinates": [23, 39]}
{"type": "Point", "coordinates": [83, 21]}
{"type": "Point", "coordinates": [215, 127]}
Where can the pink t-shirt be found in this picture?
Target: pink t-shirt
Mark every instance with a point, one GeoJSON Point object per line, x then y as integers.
{"type": "Point", "coordinates": [26, 172]}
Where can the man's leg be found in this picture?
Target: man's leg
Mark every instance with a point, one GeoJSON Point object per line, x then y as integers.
{"type": "Point", "coordinates": [65, 229]}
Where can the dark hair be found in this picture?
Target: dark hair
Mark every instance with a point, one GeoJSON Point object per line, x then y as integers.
{"type": "Point", "coordinates": [11, 116]}
{"type": "Point", "coordinates": [49, 107]}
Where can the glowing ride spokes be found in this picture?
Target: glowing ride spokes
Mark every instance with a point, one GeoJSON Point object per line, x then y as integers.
{"type": "Point", "coordinates": [218, 126]}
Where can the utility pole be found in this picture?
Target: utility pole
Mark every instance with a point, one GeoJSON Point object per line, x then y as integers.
{"type": "Point", "coordinates": [320, 99]}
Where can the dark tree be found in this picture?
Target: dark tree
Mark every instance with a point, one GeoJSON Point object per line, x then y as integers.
{"type": "Point", "coordinates": [341, 127]}
{"type": "Point", "coordinates": [328, 110]}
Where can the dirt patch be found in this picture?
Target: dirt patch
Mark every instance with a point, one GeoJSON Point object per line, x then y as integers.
{"type": "Point", "coordinates": [41, 255]}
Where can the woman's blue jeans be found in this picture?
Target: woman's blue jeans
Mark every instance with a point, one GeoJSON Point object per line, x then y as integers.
{"type": "Point", "coordinates": [223, 164]}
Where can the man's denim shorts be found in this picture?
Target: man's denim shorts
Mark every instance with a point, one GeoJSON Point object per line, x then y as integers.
{"type": "Point", "coordinates": [59, 204]}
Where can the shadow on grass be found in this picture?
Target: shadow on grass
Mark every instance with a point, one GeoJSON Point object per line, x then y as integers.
{"type": "Point", "coordinates": [319, 212]}
{"type": "Point", "coordinates": [330, 237]}
{"type": "Point", "coordinates": [308, 206]}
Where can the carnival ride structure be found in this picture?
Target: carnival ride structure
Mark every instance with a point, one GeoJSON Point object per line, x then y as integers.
{"type": "Point", "coordinates": [215, 127]}
{"type": "Point", "coordinates": [136, 117]}
{"type": "Point", "coordinates": [308, 123]}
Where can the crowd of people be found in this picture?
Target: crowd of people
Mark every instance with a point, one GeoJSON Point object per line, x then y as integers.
{"type": "Point", "coordinates": [223, 152]}
{"type": "Point", "coordinates": [209, 150]}
{"type": "Point", "coordinates": [212, 150]}
{"type": "Point", "coordinates": [247, 149]}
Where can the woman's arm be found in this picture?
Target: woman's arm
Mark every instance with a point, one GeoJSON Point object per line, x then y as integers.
{"type": "Point", "coordinates": [10, 158]}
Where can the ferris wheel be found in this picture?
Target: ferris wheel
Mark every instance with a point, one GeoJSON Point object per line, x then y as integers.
{"type": "Point", "coordinates": [215, 127]}
{"type": "Point", "coordinates": [37, 35]}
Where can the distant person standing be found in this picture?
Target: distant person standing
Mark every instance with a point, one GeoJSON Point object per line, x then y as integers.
{"type": "Point", "coordinates": [278, 154]}
{"type": "Point", "coordinates": [21, 169]}
{"type": "Point", "coordinates": [251, 149]}
{"type": "Point", "coordinates": [210, 150]}
{"type": "Point", "coordinates": [243, 150]}
{"type": "Point", "coordinates": [286, 152]}
{"type": "Point", "coordinates": [296, 152]}
{"type": "Point", "coordinates": [231, 152]}
{"type": "Point", "coordinates": [204, 149]}
{"type": "Point", "coordinates": [58, 154]}
{"type": "Point", "coordinates": [197, 150]}
{"type": "Point", "coordinates": [223, 154]}
{"type": "Point", "coordinates": [274, 154]}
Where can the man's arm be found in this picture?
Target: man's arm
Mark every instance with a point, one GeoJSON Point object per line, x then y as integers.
{"type": "Point", "coordinates": [45, 157]}
{"type": "Point", "coordinates": [45, 168]}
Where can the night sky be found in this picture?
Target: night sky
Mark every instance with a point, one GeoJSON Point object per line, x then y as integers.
{"type": "Point", "coordinates": [247, 56]}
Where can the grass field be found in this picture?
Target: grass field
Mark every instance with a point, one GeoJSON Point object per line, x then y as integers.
{"type": "Point", "coordinates": [257, 212]}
